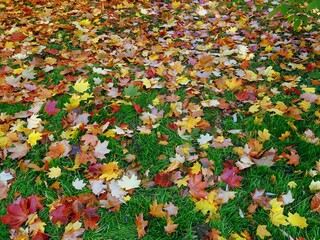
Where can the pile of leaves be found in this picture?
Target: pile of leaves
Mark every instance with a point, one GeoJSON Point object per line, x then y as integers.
{"type": "Point", "coordinates": [160, 119]}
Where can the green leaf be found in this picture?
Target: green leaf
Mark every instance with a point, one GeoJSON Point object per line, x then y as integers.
{"type": "Point", "coordinates": [313, 5]}
{"type": "Point", "coordinates": [284, 9]}
{"type": "Point", "coordinates": [131, 91]}
{"type": "Point", "coordinates": [315, 75]}
{"type": "Point", "coordinates": [296, 24]}
{"type": "Point", "coordinates": [275, 11]}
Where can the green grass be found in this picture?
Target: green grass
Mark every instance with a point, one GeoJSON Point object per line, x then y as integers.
{"type": "Point", "coordinates": [93, 42]}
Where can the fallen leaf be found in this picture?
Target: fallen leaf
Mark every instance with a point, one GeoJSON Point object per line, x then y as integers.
{"type": "Point", "coordinates": [141, 225]}
{"type": "Point", "coordinates": [54, 172]}
{"type": "Point", "coordinates": [297, 221]}
{"type": "Point", "coordinates": [170, 227]}
{"type": "Point", "coordinates": [156, 210]}
{"type": "Point", "coordinates": [262, 231]}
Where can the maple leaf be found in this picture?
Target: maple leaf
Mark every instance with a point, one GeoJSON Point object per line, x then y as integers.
{"type": "Point", "coordinates": [171, 209]}
{"type": "Point", "coordinates": [277, 219]}
{"type": "Point", "coordinates": [33, 121]}
{"type": "Point", "coordinates": [293, 157]}
{"type": "Point", "coordinates": [170, 227]}
{"type": "Point", "coordinates": [314, 186]}
{"type": "Point", "coordinates": [97, 186]}
{"type": "Point", "coordinates": [73, 231]}
{"type": "Point", "coordinates": [131, 91]}
{"type": "Point", "coordinates": [3, 190]}
{"type": "Point", "coordinates": [81, 86]}
{"type": "Point", "coordinates": [258, 197]}
{"type": "Point", "coordinates": [35, 224]}
{"type": "Point", "coordinates": [116, 190]}
{"type": "Point", "coordinates": [110, 171]}
{"type": "Point", "coordinates": [129, 183]}
{"type": "Point", "coordinates": [101, 149]}
{"type": "Point", "coordinates": [197, 186]}
{"type": "Point", "coordinates": [264, 135]}
{"type": "Point", "coordinates": [17, 36]}
{"type": "Point", "coordinates": [34, 203]}
{"type": "Point", "coordinates": [262, 231]}
{"type": "Point", "coordinates": [315, 203]}
{"type": "Point", "coordinates": [91, 218]}
{"type": "Point", "coordinates": [19, 150]}
{"type": "Point", "coordinates": [17, 214]}
{"type": "Point", "coordinates": [29, 73]}
{"type": "Point", "coordinates": [230, 177]}
{"type": "Point", "coordinates": [296, 220]}
{"type": "Point", "coordinates": [54, 172]}
{"type": "Point", "coordinates": [287, 198]}
{"type": "Point", "coordinates": [61, 214]}
{"type": "Point", "coordinates": [162, 179]}
{"type": "Point", "coordinates": [50, 108]}
{"type": "Point", "coordinates": [78, 184]}
{"type": "Point", "coordinates": [156, 209]}
{"type": "Point", "coordinates": [141, 225]}
{"type": "Point", "coordinates": [56, 150]}
{"type": "Point", "coordinates": [34, 137]}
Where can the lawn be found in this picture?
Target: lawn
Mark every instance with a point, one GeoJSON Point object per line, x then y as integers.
{"type": "Point", "coordinates": [158, 120]}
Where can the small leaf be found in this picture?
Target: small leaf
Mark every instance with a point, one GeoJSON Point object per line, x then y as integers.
{"type": "Point", "coordinates": [141, 225]}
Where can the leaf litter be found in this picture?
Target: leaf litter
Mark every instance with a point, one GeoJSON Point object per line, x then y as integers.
{"type": "Point", "coordinates": [77, 65]}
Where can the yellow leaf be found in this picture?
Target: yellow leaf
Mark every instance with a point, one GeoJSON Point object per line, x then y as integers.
{"type": "Point", "coordinates": [34, 137]}
{"type": "Point", "coordinates": [284, 135]}
{"type": "Point", "coordinates": [54, 172]}
{"type": "Point", "coordinates": [9, 45]}
{"type": "Point", "coordinates": [85, 22]}
{"type": "Point", "coordinates": [188, 123]}
{"type": "Point", "coordinates": [233, 84]}
{"type": "Point", "coordinates": [4, 141]}
{"type": "Point", "coordinates": [264, 135]}
{"type": "Point", "coordinates": [196, 168]}
{"type": "Point", "coordinates": [183, 80]}
{"type": "Point", "coordinates": [183, 181]}
{"type": "Point", "coordinates": [309, 89]}
{"type": "Point", "coordinates": [81, 86]}
{"type": "Point", "coordinates": [176, 5]}
{"type": "Point", "coordinates": [314, 186]}
{"type": "Point", "coordinates": [208, 205]}
{"type": "Point", "coordinates": [110, 171]}
{"type": "Point", "coordinates": [268, 48]}
{"type": "Point", "coordinates": [305, 105]}
{"type": "Point", "coordinates": [18, 71]}
{"type": "Point", "coordinates": [292, 184]}
{"type": "Point", "coordinates": [262, 231]}
{"type": "Point", "coordinates": [254, 108]}
{"type": "Point", "coordinates": [277, 218]}
{"type": "Point", "coordinates": [146, 82]}
{"type": "Point", "coordinates": [297, 221]}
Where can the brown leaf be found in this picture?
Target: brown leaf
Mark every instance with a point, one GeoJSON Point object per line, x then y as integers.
{"type": "Point", "coordinates": [315, 203]}
{"type": "Point", "coordinates": [197, 186]}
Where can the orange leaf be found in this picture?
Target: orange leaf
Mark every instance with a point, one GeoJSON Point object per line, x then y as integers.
{"type": "Point", "coordinates": [141, 224]}
{"type": "Point", "coordinates": [171, 227]}
{"type": "Point", "coordinates": [156, 209]}
{"type": "Point", "coordinates": [293, 157]}
{"type": "Point", "coordinates": [197, 186]}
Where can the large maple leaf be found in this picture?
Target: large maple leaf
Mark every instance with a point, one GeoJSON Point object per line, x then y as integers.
{"type": "Point", "coordinates": [230, 177]}
{"type": "Point", "coordinates": [17, 214]}
{"type": "Point", "coordinates": [19, 150]}
{"type": "Point", "coordinates": [197, 186]}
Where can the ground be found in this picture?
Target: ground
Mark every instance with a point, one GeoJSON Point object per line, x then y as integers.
{"type": "Point", "coordinates": [158, 120]}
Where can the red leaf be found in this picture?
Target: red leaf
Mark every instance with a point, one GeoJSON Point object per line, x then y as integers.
{"type": "Point", "coordinates": [162, 179]}
{"type": "Point", "coordinates": [197, 186]}
{"type": "Point", "coordinates": [50, 108]}
{"type": "Point", "coordinates": [230, 177]}
{"type": "Point", "coordinates": [150, 73]}
{"type": "Point", "coordinates": [34, 203]}
{"type": "Point", "coordinates": [242, 96]}
{"type": "Point", "coordinates": [60, 214]}
{"type": "Point", "coordinates": [293, 157]}
{"type": "Point", "coordinates": [40, 236]}
{"type": "Point", "coordinates": [137, 108]}
{"type": "Point", "coordinates": [17, 214]}
{"type": "Point", "coordinates": [17, 36]}
{"type": "Point", "coordinates": [91, 218]}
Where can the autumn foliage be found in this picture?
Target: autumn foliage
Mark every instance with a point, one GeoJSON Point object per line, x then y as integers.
{"type": "Point", "coordinates": [160, 115]}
